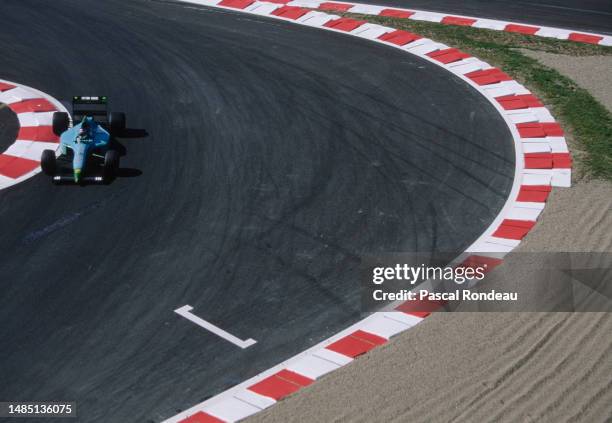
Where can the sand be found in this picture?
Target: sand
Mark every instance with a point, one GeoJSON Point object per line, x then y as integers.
{"type": "Point", "coordinates": [471, 367]}
{"type": "Point", "coordinates": [590, 72]}
{"type": "Point", "coordinates": [550, 367]}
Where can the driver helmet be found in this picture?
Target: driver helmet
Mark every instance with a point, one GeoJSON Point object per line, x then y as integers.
{"type": "Point", "coordinates": [84, 131]}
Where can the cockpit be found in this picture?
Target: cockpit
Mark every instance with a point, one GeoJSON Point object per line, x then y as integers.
{"type": "Point", "coordinates": [86, 131]}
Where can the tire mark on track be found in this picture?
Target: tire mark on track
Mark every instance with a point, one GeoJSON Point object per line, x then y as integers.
{"type": "Point", "coordinates": [67, 219]}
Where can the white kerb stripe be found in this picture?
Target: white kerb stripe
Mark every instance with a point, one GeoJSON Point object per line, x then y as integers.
{"type": "Point", "coordinates": [536, 147]}
{"type": "Point", "coordinates": [28, 119]}
{"type": "Point", "coordinates": [561, 178]}
{"type": "Point", "coordinates": [561, 34]}
{"type": "Point", "coordinates": [316, 18]}
{"type": "Point", "coordinates": [334, 357]}
{"type": "Point", "coordinates": [405, 318]}
{"type": "Point", "coordinates": [313, 4]}
{"type": "Point", "coordinates": [503, 241]}
{"type": "Point", "coordinates": [367, 9]}
{"type": "Point", "coordinates": [489, 24]}
{"type": "Point", "coordinates": [17, 94]}
{"type": "Point", "coordinates": [312, 366]}
{"type": "Point", "coordinates": [524, 213]}
{"type": "Point", "coordinates": [536, 179]}
{"type": "Point", "coordinates": [31, 150]}
{"type": "Point", "coordinates": [253, 398]}
{"type": "Point", "coordinates": [427, 16]}
{"type": "Point", "coordinates": [384, 327]}
{"type": "Point", "coordinates": [371, 31]}
{"type": "Point", "coordinates": [426, 47]}
{"type": "Point", "coordinates": [231, 409]}
{"type": "Point", "coordinates": [262, 8]}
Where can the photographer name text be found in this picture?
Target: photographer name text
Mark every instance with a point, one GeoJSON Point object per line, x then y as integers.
{"type": "Point", "coordinates": [457, 295]}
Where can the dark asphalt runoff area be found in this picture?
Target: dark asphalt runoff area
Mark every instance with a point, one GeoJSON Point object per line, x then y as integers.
{"type": "Point", "coordinates": [9, 127]}
{"type": "Point", "coordinates": [585, 15]}
{"type": "Point", "coordinates": [276, 156]}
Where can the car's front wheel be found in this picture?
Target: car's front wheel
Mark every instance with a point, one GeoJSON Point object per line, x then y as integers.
{"type": "Point", "coordinates": [48, 162]}
{"type": "Point", "coordinates": [111, 165]}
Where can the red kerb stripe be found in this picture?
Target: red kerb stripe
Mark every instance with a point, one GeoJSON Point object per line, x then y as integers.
{"type": "Point", "coordinates": [280, 384]}
{"type": "Point", "coordinates": [341, 7]}
{"type": "Point", "coordinates": [33, 105]}
{"type": "Point", "coordinates": [522, 29]}
{"type": "Point", "coordinates": [514, 229]}
{"type": "Point", "coordinates": [201, 417]}
{"type": "Point", "coordinates": [14, 167]}
{"type": "Point", "coordinates": [394, 13]}
{"type": "Point", "coordinates": [399, 37]}
{"type": "Point", "coordinates": [420, 308]}
{"type": "Point", "coordinates": [4, 86]}
{"type": "Point", "coordinates": [448, 55]}
{"type": "Point", "coordinates": [522, 101]}
{"type": "Point", "coordinates": [37, 133]}
{"type": "Point", "coordinates": [585, 38]}
{"type": "Point", "coordinates": [344, 24]}
{"type": "Point", "coordinates": [534, 193]}
{"type": "Point", "coordinates": [237, 4]}
{"type": "Point", "coordinates": [356, 344]}
{"type": "Point", "coordinates": [456, 20]}
{"type": "Point", "coordinates": [290, 12]}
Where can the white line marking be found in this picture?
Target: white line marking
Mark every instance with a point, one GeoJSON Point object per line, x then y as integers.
{"type": "Point", "coordinates": [185, 311]}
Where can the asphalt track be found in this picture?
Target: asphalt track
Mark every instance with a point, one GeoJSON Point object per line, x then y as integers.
{"type": "Point", "coordinates": [276, 156]}
{"type": "Point", "coordinates": [586, 15]}
{"type": "Point", "coordinates": [9, 125]}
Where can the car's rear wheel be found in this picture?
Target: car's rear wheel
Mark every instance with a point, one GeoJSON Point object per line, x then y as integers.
{"type": "Point", "coordinates": [48, 162]}
{"type": "Point", "coordinates": [61, 122]}
{"type": "Point", "coordinates": [111, 165]}
{"type": "Point", "coordinates": [116, 123]}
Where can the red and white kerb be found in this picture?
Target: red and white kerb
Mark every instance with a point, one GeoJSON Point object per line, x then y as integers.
{"type": "Point", "coordinates": [34, 110]}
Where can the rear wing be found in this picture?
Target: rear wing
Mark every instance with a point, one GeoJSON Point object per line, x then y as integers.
{"type": "Point", "coordinates": [94, 106]}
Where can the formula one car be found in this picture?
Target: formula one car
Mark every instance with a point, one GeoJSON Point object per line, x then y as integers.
{"type": "Point", "coordinates": [86, 148]}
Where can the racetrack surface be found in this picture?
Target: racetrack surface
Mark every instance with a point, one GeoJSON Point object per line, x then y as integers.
{"type": "Point", "coordinates": [9, 126]}
{"type": "Point", "coordinates": [586, 15]}
{"type": "Point", "coordinates": [276, 155]}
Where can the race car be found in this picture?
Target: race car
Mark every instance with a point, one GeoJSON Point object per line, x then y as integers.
{"type": "Point", "coordinates": [86, 142]}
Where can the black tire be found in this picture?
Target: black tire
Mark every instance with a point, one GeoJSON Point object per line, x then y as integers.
{"type": "Point", "coordinates": [111, 165]}
{"type": "Point", "coordinates": [48, 162]}
{"type": "Point", "coordinates": [116, 123]}
{"type": "Point", "coordinates": [61, 122]}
